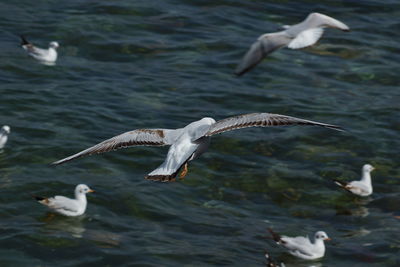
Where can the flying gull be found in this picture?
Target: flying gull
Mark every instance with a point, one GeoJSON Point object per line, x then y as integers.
{"type": "Point", "coordinates": [301, 246]}
{"type": "Point", "coordinates": [297, 36]}
{"type": "Point", "coordinates": [43, 55]}
{"type": "Point", "coordinates": [361, 188]}
{"type": "Point", "coordinates": [190, 142]}
{"type": "Point", "coordinates": [4, 132]}
{"type": "Point", "coordinates": [68, 206]}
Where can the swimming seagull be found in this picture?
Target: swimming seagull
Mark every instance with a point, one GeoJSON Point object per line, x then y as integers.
{"type": "Point", "coordinates": [361, 188]}
{"type": "Point", "coordinates": [4, 132]}
{"type": "Point", "coordinates": [44, 55]}
{"type": "Point", "coordinates": [271, 262]}
{"type": "Point", "coordinates": [301, 246]}
{"type": "Point", "coordinates": [190, 142]}
{"type": "Point", "coordinates": [303, 34]}
{"type": "Point", "coordinates": [68, 206]}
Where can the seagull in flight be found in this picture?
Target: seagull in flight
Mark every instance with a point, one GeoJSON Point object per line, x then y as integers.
{"type": "Point", "coordinates": [303, 34]}
{"type": "Point", "coordinates": [190, 142]}
{"type": "Point", "coordinates": [4, 132]}
{"type": "Point", "coordinates": [301, 246]}
{"type": "Point", "coordinates": [360, 188]}
{"type": "Point", "coordinates": [48, 55]}
{"type": "Point", "coordinates": [68, 206]}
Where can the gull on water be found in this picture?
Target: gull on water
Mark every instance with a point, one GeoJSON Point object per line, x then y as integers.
{"type": "Point", "coordinates": [190, 142]}
{"type": "Point", "coordinates": [48, 55]}
{"type": "Point", "coordinates": [68, 206]}
{"type": "Point", "coordinates": [301, 246]}
{"type": "Point", "coordinates": [361, 188]}
{"type": "Point", "coordinates": [303, 34]}
{"type": "Point", "coordinates": [271, 262]}
{"type": "Point", "coordinates": [4, 132]}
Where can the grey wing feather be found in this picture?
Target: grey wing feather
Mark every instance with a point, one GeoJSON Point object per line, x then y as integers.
{"type": "Point", "coordinates": [265, 45]}
{"type": "Point", "coordinates": [261, 120]}
{"type": "Point", "coordinates": [60, 202]}
{"type": "Point", "coordinates": [141, 137]}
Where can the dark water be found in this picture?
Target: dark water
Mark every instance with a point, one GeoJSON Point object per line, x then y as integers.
{"type": "Point", "coordinates": [136, 64]}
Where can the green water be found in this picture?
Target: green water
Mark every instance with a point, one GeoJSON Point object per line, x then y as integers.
{"type": "Point", "coordinates": [125, 65]}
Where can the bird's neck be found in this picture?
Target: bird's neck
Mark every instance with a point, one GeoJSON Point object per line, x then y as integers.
{"type": "Point", "coordinates": [80, 197]}
{"type": "Point", "coordinates": [366, 177]}
{"type": "Point", "coordinates": [320, 244]}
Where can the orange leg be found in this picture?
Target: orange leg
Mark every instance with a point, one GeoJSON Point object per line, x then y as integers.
{"type": "Point", "coordinates": [184, 171]}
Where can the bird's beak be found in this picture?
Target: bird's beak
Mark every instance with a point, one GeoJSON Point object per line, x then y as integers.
{"type": "Point", "coordinates": [373, 168]}
{"type": "Point", "coordinates": [91, 191]}
{"type": "Point", "coordinates": [327, 239]}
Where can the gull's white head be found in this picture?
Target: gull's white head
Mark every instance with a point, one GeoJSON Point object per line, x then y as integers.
{"type": "Point", "coordinates": [321, 235]}
{"type": "Point", "coordinates": [367, 168]}
{"type": "Point", "coordinates": [6, 129]}
{"type": "Point", "coordinates": [54, 45]}
{"type": "Point", "coordinates": [83, 189]}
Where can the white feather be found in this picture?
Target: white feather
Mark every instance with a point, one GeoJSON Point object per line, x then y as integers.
{"type": "Point", "coordinates": [306, 38]}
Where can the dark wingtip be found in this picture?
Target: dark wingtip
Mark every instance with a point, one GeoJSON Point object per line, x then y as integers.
{"type": "Point", "coordinates": [23, 40]}
{"type": "Point", "coordinates": [274, 235]}
{"type": "Point", "coordinates": [38, 198]}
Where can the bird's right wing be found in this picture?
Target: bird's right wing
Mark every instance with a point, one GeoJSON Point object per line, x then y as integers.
{"type": "Point", "coordinates": [261, 120]}
{"type": "Point", "coordinates": [264, 45]}
{"type": "Point", "coordinates": [320, 20]}
{"type": "Point", "coordinates": [141, 137]}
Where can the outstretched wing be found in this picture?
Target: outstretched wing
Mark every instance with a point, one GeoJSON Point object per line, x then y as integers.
{"type": "Point", "coordinates": [320, 20]}
{"type": "Point", "coordinates": [141, 137]}
{"type": "Point", "coordinates": [261, 120]}
{"type": "Point", "coordinates": [265, 45]}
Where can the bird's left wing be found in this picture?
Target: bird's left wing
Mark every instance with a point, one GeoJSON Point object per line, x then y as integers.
{"type": "Point", "coordinates": [64, 203]}
{"type": "Point", "coordinates": [261, 120]}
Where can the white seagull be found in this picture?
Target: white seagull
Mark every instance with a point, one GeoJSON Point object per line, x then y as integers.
{"type": "Point", "coordinates": [43, 55]}
{"type": "Point", "coordinates": [303, 34]}
{"type": "Point", "coordinates": [68, 206]}
{"type": "Point", "coordinates": [361, 188]}
{"type": "Point", "coordinates": [4, 132]}
{"type": "Point", "coordinates": [301, 246]}
{"type": "Point", "coordinates": [190, 142]}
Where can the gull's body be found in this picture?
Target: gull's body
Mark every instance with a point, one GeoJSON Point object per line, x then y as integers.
{"type": "Point", "coordinates": [4, 132]}
{"type": "Point", "coordinates": [190, 142]}
{"type": "Point", "coordinates": [301, 246]}
{"type": "Point", "coordinates": [361, 188]}
{"type": "Point", "coordinates": [48, 55]}
{"type": "Point", "coordinates": [68, 206]}
{"type": "Point", "coordinates": [297, 36]}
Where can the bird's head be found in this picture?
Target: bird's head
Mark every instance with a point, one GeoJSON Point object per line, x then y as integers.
{"type": "Point", "coordinates": [83, 189]}
{"type": "Point", "coordinates": [321, 235]}
{"type": "Point", "coordinates": [54, 45]}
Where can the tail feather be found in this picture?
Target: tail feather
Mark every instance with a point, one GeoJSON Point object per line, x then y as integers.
{"type": "Point", "coordinates": [41, 200]}
{"type": "Point", "coordinates": [275, 236]}
{"type": "Point", "coordinates": [340, 183]}
{"type": "Point", "coordinates": [24, 41]}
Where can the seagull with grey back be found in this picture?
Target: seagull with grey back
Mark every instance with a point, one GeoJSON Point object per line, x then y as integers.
{"type": "Point", "coordinates": [301, 246]}
{"type": "Point", "coordinates": [303, 34]}
{"type": "Point", "coordinates": [190, 142]}
{"type": "Point", "coordinates": [68, 206]}
{"type": "Point", "coordinates": [360, 188]}
{"type": "Point", "coordinates": [48, 55]}
{"type": "Point", "coordinates": [4, 132]}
